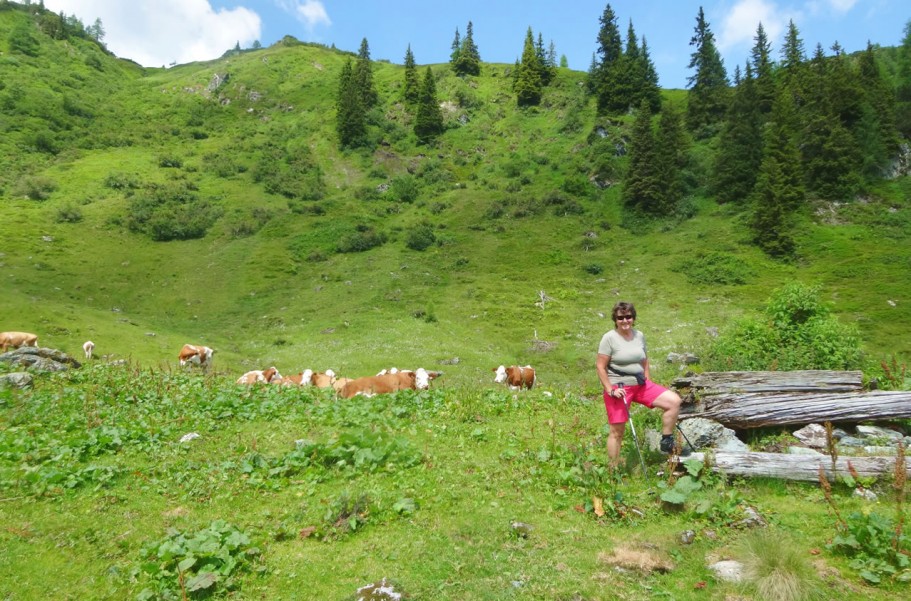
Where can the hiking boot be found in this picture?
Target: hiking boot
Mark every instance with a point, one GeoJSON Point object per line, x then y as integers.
{"type": "Point", "coordinates": [667, 444]}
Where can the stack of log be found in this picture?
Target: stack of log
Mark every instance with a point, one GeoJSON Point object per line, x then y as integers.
{"type": "Point", "coordinates": [743, 400]}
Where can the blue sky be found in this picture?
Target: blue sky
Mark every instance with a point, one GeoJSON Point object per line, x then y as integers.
{"type": "Point", "coordinates": [157, 33]}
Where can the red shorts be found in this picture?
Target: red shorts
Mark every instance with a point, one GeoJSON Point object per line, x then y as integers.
{"type": "Point", "coordinates": [644, 395]}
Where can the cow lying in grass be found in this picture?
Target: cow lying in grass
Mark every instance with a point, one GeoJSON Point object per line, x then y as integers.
{"type": "Point", "coordinates": [389, 382]}
{"type": "Point", "coordinates": [17, 339]}
{"type": "Point", "coordinates": [259, 375]}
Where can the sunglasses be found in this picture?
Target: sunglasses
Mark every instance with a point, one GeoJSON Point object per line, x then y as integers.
{"type": "Point", "coordinates": [624, 318]}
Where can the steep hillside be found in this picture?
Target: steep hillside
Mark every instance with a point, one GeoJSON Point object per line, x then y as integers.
{"type": "Point", "coordinates": [247, 143]}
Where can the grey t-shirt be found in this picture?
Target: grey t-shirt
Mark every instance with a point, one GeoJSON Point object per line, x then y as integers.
{"type": "Point", "coordinates": [626, 356]}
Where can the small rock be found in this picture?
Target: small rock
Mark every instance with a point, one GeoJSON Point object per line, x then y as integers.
{"type": "Point", "coordinates": [802, 451]}
{"type": "Point", "coordinates": [189, 436]}
{"type": "Point", "coordinates": [728, 570]}
{"type": "Point", "coordinates": [865, 494]}
{"type": "Point", "coordinates": [687, 537]}
{"type": "Point", "coordinates": [521, 529]}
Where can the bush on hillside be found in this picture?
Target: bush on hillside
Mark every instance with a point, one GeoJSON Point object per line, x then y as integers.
{"type": "Point", "coordinates": [362, 240]}
{"type": "Point", "coordinates": [35, 187]}
{"type": "Point", "coordinates": [171, 211]}
{"type": "Point", "coordinates": [420, 237]}
{"type": "Point", "coordinates": [404, 189]}
{"type": "Point", "coordinates": [716, 268]}
{"type": "Point", "coordinates": [797, 331]}
{"type": "Point", "coordinates": [69, 213]}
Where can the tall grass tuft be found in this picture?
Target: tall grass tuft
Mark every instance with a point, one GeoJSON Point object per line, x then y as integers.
{"type": "Point", "coordinates": [775, 569]}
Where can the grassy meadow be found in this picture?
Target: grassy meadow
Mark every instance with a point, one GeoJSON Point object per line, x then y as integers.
{"type": "Point", "coordinates": [306, 261]}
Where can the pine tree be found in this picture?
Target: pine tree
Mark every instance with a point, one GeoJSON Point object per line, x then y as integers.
{"type": "Point", "coordinates": [428, 123]}
{"type": "Point", "coordinates": [739, 155]}
{"type": "Point", "coordinates": [363, 77]}
{"type": "Point", "coordinates": [456, 49]}
{"type": "Point", "coordinates": [603, 73]}
{"type": "Point", "coordinates": [707, 98]}
{"type": "Point", "coordinates": [877, 129]}
{"type": "Point", "coordinates": [468, 61]}
{"type": "Point", "coordinates": [411, 89]}
{"type": "Point", "coordinates": [671, 157]}
{"type": "Point", "coordinates": [762, 69]}
{"type": "Point", "coordinates": [350, 118]}
{"type": "Point", "coordinates": [642, 186]}
{"type": "Point", "coordinates": [903, 92]}
{"type": "Point", "coordinates": [528, 83]}
{"type": "Point", "coordinates": [793, 63]}
{"type": "Point", "coordinates": [650, 91]}
{"type": "Point", "coordinates": [779, 192]}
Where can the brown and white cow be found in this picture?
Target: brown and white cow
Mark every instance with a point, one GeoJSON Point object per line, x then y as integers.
{"type": "Point", "coordinates": [302, 379]}
{"type": "Point", "coordinates": [259, 375]}
{"type": "Point", "coordinates": [17, 339]}
{"type": "Point", "coordinates": [88, 347]}
{"type": "Point", "coordinates": [386, 383]}
{"type": "Point", "coordinates": [323, 379]}
{"type": "Point", "coordinates": [196, 354]}
{"type": "Point", "coordinates": [515, 376]}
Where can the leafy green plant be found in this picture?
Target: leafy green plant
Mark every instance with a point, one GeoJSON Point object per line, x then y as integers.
{"type": "Point", "coordinates": [196, 563]}
{"type": "Point", "coordinates": [420, 237]}
{"type": "Point", "coordinates": [716, 268]}
{"type": "Point", "coordinates": [869, 539]}
{"type": "Point", "coordinates": [361, 241]}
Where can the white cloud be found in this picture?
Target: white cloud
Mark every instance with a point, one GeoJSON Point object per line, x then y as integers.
{"type": "Point", "coordinates": [158, 32]}
{"type": "Point", "coordinates": [842, 6]}
{"type": "Point", "coordinates": [309, 12]}
{"type": "Point", "coordinates": [738, 26]}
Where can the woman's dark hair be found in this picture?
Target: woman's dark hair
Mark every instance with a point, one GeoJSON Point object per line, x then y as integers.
{"type": "Point", "coordinates": [627, 308]}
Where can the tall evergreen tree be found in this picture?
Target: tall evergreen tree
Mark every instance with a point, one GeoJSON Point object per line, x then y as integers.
{"type": "Point", "coordinates": [779, 193]}
{"type": "Point", "coordinates": [411, 90]}
{"type": "Point", "coordinates": [707, 98]}
{"type": "Point", "coordinates": [642, 187]}
{"type": "Point", "coordinates": [456, 49]}
{"type": "Point", "coordinates": [877, 127]}
{"type": "Point", "coordinates": [363, 77]}
{"type": "Point", "coordinates": [428, 123]}
{"type": "Point", "coordinates": [468, 61]}
{"type": "Point", "coordinates": [528, 83]}
{"type": "Point", "coordinates": [350, 116]}
{"type": "Point", "coordinates": [739, 155]}
{"type": "Point", "coordinates": [605, 66]}
{"type": "Point", "coordinates": [903, 92]}
{"type": "Point", "coordinates": [671, 155]}
{"type": "Point", "coordinates": [760, 57]}
{"type": "Point", "coordinates": [649, 89]}
{"type": "Point", "coordinates": [793, 63]}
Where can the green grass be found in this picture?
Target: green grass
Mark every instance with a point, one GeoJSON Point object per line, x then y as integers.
{"type": "Point", "coordinates": [92, 473]}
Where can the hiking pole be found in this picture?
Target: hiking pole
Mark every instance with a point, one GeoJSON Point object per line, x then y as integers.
{"type": "Point", "coordinates": [682, 433]}
{"type": "Point", "coordinates": [632, 428]}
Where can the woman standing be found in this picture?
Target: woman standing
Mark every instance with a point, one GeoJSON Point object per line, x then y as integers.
{"type": "Point", "coordinates": [623, 360]}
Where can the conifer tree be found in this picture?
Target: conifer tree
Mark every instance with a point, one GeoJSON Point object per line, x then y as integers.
{"type": "Point", "coordinates": [350, 117]}
{"type": "Point", "coordinates": [428, 123]}
{"type": "Point", "coordinates": [456, 49]}
{"type": "Point", "coordinates": [671, 155]}
{"type": "Point", "coordinates": [528, 83]}
{"type": "Point", "coordinates": [779, 192]}
{"type": "Point", "coordinates": [468, 61]}
{"type": "Point", "coordinates": [363, 77]}
{"type": "Point", "coordinates": [411, 89]}
{"type": "Point", "coordinates": [761, 61]}
{"type": "Point", "coordinates": [793, 63]}
{"type": "Point", "coordinates": [642, 187]}
{"type": "Point", "coordinates": [877, 127]}
{"type": "Point", "coordinates": [903, 92]}
{"type": "Point", "coordinates": [650, 91]}
{"type": "Point", "coordinates": [707, 98]}
{"type": "Point", "coordinates": [739, 153]}
{"type": "Point", "coordinates": [605, 65]}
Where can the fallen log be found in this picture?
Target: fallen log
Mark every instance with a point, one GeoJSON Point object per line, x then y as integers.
{"type": "Point", "coordinates": [756, 410]}
{"type": "Point", "coordinates": [797, 467]}
{"type": "Point", "coordinates": [726, 383]}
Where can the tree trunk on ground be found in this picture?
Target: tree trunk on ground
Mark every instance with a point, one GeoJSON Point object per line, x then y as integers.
{"type": "Point", "coordinates": [797, 467]}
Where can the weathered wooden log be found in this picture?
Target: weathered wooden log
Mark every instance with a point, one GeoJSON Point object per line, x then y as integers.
{"type": "Point", "coordinates": [755, 410]}
{"type": "Point", "coordinates": [798, 467]}
{"type": "Point", "coordinates": [736, 382]}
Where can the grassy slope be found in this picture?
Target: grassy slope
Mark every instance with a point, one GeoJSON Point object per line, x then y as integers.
{"type": "Point", "coordinates": [258, 299]}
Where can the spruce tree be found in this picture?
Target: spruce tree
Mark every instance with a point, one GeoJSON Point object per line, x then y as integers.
{"type": "Point", "coordinates": [761, 61]}
{"type": "Point", "coordinates": [671, 156]}
{"type": "Point", "coordinates": [650, 91]}
{"type": "Point", "coordinates": [877, 127]}
{"type": "Point", "coordinates": [779, 193]}
{"type": "Point", "coordinates": [605, 66]}
{"type": "Point", "coordinates": [793, 63]}
{"type": "Point", "coordinates": [456, 49]}
{"type": "Point", "coordinates": [350, 116]}
{"type": "Point", "coordinates": [363, 77]}
{"type": "Point", "coordinates": [428, 123]}
{"type": "Point", "coordinates": [642, 187]}
{"type": "Point", "coordinates": [739, 155]}
{"type": "Point", "coordinates": [708, 86]}
{"type": "Point", "coordinates": [903, 92]}
{"type": "Point", "coordinates": [528, 83]}
{"type": "Point", "coordinates": [468, 61]}
{"type": "Point", "coordinates": [411, 90]}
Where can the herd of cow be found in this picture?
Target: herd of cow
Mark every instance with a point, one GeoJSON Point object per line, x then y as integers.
{"type": "Point", "coordinates": [391, 380]}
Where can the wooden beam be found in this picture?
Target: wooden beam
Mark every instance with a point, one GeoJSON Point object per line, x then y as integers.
{"type": "Point", "coordinates": [797, 467]}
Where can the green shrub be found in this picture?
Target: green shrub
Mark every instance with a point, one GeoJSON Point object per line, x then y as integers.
{"type": "Point", "coordinates": [122, 181]}
{"type": "Point", "coordinates": [361, 241]}
{"type": "Point", "coordinates": [594, 268]}
{"type": "Point", "coordinates": [716, 269]}
{"type": "Point", "coordinates": [69, 213]}
{"type": "Point", "coordinates": [171, 211]}
{"type": "Point", "coordinates": [798, 332]}
{"type": "Point", "coordinates": [420, 237]}
{"type": "Point", "coordinates": [404, 188]}
{"type": "Point", "coordinates": [36, 187]}
{"type": "Point", "coordinates": [170, 162]}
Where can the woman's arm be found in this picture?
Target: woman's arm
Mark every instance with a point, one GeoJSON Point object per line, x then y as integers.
{"type": "Point", "coordinates": [601, 364]}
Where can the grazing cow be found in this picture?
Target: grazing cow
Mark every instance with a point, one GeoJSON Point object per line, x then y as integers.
{"type": "Point", "coordinates": [259, 375]}
{"type": "Point", "coordinates": [323, 379]}
{"type": "Point", "coordinates": [195, 353]}
{"type": "Point", "coordinates": [17, 339]}
{"type": "Point", "coordinates": [339, 384]}
{"type": "Point", "coordinates": [88, 346]}
{"type": "Point", "coordinates": [371, 385]}
{"type": "Point", "coordinates": [515, 376]}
